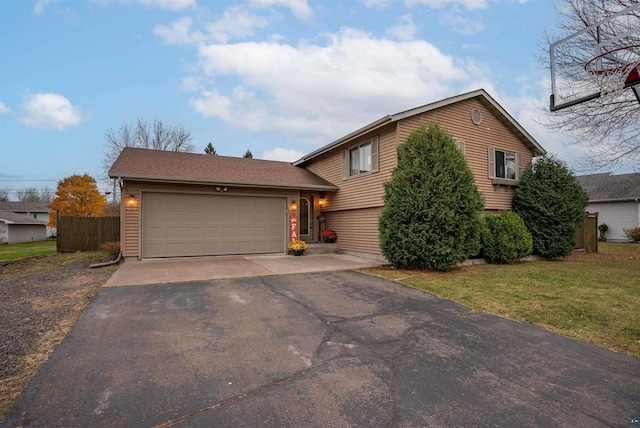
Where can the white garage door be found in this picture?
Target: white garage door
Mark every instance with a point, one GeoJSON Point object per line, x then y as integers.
{"type": "Point", "coordinates": [175, 225]}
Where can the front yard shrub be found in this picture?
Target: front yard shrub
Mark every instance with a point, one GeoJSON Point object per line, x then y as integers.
{"type": "Point", "coordinates": [505, 238]}
{"type": "Point", "coordinates": [431, 214]}
{"type": "Point", "coordinates": [552, 204]}
{"type": "Point", "coordinates": [633, 234]}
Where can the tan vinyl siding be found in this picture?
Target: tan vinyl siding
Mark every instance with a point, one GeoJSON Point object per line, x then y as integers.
{"type": "Point", "coordinates": [131, 224]}
{"type": "Point", "coordinates": [357, 229]}
{"type": "Point", "coordinates": [491, 132]}
{"type": "Point", "coordinates": [361, 191]}
{"type": "Point", "coordinates": [130, 227]}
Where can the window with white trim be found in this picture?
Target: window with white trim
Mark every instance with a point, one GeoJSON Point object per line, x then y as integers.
{"type": "Point", "coordinates": [360, 159]}
{"type": "Point", "coordinates": [505, 167]}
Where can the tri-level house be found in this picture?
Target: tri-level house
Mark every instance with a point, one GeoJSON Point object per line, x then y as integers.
{"type": "Point", "coordinates": [184, 204]}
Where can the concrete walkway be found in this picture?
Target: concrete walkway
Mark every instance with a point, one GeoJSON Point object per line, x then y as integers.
{"type": "Point", "coordinates": [161, 271]}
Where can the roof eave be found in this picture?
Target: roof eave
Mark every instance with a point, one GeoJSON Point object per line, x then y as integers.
{"type": "Point", "coordinates": [228, 183]}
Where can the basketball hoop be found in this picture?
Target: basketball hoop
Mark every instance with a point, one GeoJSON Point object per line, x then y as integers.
{"type": "Point", "coordinates": [611, 70]}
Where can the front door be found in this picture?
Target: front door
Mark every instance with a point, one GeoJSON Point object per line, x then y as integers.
{"type": "Point", "coordinates": [306, 218]}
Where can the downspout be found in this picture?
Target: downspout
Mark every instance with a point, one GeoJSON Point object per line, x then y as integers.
{"type": "Point", "coordinates": [112, 262]}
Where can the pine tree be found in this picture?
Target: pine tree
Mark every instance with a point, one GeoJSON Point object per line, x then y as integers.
{"type": "Point", "coordinates": [248, 154]}
{"type": "Point", "coordinates": [210, 150]}
{"type": "Point", "coordinates": [431, 214]}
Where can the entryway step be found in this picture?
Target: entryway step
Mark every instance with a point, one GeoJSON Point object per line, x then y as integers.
{"type": "Point", "coordinates": [321, 248]}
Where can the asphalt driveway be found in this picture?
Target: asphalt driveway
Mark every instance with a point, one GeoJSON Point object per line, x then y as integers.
{"type": "Point", "coordinates": [331, 349]}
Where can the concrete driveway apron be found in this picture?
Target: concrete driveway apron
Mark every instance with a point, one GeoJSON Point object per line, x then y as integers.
{"type": "Point", "coordinates": [331, 349]}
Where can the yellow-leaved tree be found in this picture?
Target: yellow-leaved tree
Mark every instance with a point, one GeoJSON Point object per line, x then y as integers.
{"type": "Point", "coordinates": [76, 196]}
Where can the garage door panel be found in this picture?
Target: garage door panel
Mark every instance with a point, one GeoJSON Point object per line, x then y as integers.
{"type": "Point", "coordinates": [187, 225]}
{"type": "Point", "coordinates": [212, 232]}
{"type": "Point", "coordinates": [176, 233]}
{"type": "Point", "coordinates": [246, 218]}
{"type": "Point", "coordinates": [175, 216]}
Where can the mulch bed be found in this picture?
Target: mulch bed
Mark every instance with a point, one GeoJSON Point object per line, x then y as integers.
{"type": "Point", "coordinates": [40, 300]}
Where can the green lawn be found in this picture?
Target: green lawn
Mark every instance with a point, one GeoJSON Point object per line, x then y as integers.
{"type": "Point", "coordinates": [593, 297]}
{"type": "Point", "coordinates": [27, 249]}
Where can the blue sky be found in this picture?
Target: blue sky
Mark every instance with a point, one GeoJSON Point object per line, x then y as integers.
{"type": "Point", "coordinates": [280, 77]}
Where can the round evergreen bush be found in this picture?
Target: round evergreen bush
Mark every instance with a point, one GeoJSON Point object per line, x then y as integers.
{"type": "Point", "coordinates": [552, 204]}
{"type": "Point", "coordinates": [505, 238]}
{"type": "Point", "coordinates": [431, 214]}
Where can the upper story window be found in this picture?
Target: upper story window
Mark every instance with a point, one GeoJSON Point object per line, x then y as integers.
{"type": "Point", "coordinates": [505, 164]}
{"type": "Point", "coordinates": [361, 159]}
{"type": "Point", "coordinates": [505, 167]}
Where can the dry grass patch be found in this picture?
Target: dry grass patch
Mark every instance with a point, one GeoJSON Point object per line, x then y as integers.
{"type": "Point", "coordinates": [40, 300]}
{"type": "Point", "coordinates": [593, 297]}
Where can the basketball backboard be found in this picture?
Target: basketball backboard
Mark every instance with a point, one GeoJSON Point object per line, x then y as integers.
{"type": "Point", "coordinates": [600, 60]}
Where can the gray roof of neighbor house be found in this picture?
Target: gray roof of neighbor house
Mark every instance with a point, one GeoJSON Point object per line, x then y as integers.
{"type": "Point", "coordinates": [179, 167]}
{"type": "Point", "coordinates": [481, 94]}
{"type": "Point", "coordinates": [32, 207]}
{"type": "Point", "coordinates": [13, 218]}
{"type": "Point", "coordinates": [611, 188]}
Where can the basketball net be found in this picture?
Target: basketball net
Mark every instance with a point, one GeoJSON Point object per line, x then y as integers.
{"type": "Point", "coordinates": [610, 70]}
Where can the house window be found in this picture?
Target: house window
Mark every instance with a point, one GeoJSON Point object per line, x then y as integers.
{"type": "Point", "coordinates": [361, 159]}
{"type": "Point", "coordinates": [505, 167]}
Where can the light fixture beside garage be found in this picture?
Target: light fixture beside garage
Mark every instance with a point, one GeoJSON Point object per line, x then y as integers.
{"type": "Point", "coordinates": [293, 206]}
{"type": "Point", "coordinates": [132, 201]}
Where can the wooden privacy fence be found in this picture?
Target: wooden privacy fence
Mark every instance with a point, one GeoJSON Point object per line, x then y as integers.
{"type": "Point", "coordinates": [587, 234]}
{"type": "Point", "coordinates": [86, 233]}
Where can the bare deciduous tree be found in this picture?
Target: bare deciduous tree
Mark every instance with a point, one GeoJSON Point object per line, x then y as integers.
{"type": "Point", "coordinates": [144, 135]}
{"type": "Point", "coordinates": [31, 194]}
{"type": "Point", "coordinates": [609, 128]}
{"type": "Point", "coordinates": [4, 194]}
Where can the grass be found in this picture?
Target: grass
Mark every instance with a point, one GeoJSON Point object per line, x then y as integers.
{"type": "Point", "coordinates": [594, 297]}
{"type": "Point", "coordinates": [27, 249]}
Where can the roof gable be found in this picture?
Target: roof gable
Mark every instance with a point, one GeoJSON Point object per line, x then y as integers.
{"type": "Point", "coordinates": [481, 94]}
{"type": "Point", "coordinates": [609, 187]}
{"type": "Point", "coordinates": [180, 167]}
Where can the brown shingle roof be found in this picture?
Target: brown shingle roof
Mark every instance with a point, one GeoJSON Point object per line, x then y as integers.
{"type": "Point", "coordinates": [179, 167]}
{"type": "Point", "coordinates": [13, 218]}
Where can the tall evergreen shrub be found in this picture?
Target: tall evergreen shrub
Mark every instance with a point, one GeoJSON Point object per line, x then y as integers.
{"type": "Point", "coordinates": [552, 204]}
{"type": "Point", "coordinates": [431, 215]}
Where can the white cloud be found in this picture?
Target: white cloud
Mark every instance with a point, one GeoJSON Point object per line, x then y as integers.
{"type": "Point", "coordinates": [405, 30]}
{"type": "Point", "coordinates": [462, 25]}
{"type": "Point", "coordinates": [300, 8]}
{"type": "Point", "coordinates": [178, 33]}
{"type": "Point", "coordinates": [38, 7]}
{"type": "Point", "coordinates": [162, 4]}
{"type": "Point", "coordinates": [438, 4]}
{"type": "Point", "coordinates": [323, 90]}
{"type": "Point", "coordinates": [49, 111]}
{"type": "Point", "coordinates": [3, 108]}
{"type": "Point", "coordinates": [282, 154]}
{"type": "Point", "coordinates": [235, 22]}
{"type": "Point", "coordinates": [379, 4]}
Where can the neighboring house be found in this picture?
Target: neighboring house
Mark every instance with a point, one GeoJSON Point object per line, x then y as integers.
{"type": "Point", "coordinates": [616, 199]}
{"type": "Point", "coordinates": [37, 210]}
{"type": "Point", "coordinates": [183, 204]}
{"type": "Point", "coordinates": [17, 228]}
